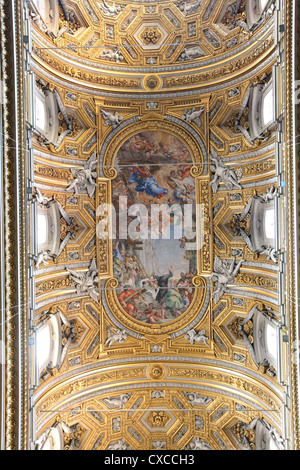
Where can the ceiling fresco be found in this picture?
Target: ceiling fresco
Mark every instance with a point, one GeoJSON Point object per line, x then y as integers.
{"type": "Point", "coordinates": [148, 46]}
{"type": "Point", "coordinates": [153, 187]}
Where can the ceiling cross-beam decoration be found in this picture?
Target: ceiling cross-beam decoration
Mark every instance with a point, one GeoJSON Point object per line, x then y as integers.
{"type": "Point", "coordinates": [153, 90]}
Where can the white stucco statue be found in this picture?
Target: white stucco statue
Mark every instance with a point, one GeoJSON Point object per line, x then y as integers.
{"type": "Point", "coordinates": [115, 336]}
{"type": "Point", "coordinates": [110, 10]}
{"type": "Point", "coordinates": [199, 444]}
{"type": "Point", "coordinates": [196, 399]}
{"type": "Point", "coordinates": [43, 257]}
{"type": "Point", "coordinates": [111, 119]}
{"type": "Point", "coordinates": [112, 54]}
{"type": "Point", "coordinates": [42, 199]}
{"type": "Point", "coordinates": [84, 178]}
{"type": "Point", "coordinates": [192, 115]}
{"type": "Point", "coordinates": [118, 445]}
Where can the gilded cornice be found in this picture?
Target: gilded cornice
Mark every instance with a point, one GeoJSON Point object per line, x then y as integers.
{"type": "Point", "coordinates": [63, 54]}
{"type": "Point", "coordinates": [217, 384]}
{"type": "Point", "coordinates": [92, 370]}
{"type": "Point", "coordinates": [155, 95]}
{"type": "Point", "coordinates": [15, 375]}
{"type": "Point", "coordinates": [87, 69]}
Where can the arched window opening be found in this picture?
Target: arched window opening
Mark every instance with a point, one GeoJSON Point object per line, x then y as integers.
{"type": "Point", "coordinates": [45, 14]}
{"type": "Point", "coordinates": [268, 107]}
{"type": "Point", "coordinates": [43, 7]}
{"type": "Point", "coordinates": [269, 224]}
{"type": "Point", "coordinates": [263, 4]}
{"type": "Point", "coordinates": [257, 11]}
{"type": "Point", "coordinates": [49, 228]}
{"type": "Point", "coordinates": [53, 335]}
{"type": "Point", "coordinates": [54, 441]}
{"type": "Point", "coordinates": [60, 436]}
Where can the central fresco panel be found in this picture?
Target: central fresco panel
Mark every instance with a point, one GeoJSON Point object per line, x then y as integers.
{"type": "Point", "coordinates": [154, 267]}
{"type": "Point", "coordinates": [152, 261]}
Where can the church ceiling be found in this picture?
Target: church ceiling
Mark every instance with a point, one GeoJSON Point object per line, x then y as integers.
{"type": "Point", "coordinates": [153, 47]}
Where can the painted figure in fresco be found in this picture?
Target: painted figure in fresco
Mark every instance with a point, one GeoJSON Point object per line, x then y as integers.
{"type": "Point", "coordinates": [145, 182]}
{"type": "Point", "coordinates": [224, 174]}
{"type": "Point", "coordinates": [182, 184]}
{"type": "Point", "coordinates": [149, 289]}
{"type": "Point", "coordinates": [224, 274]}
{"type": "Point", "coordinates": [152, 314]}
{"type": "Point", "coordinates": [84, 177]}
{"type": "Point", "coordinates": [173, 300]}
{"type": "Point", "coordinates": [118, 258]}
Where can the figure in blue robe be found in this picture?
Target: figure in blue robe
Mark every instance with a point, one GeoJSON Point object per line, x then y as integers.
{"type": "Point", "coordinates": [145, 182]}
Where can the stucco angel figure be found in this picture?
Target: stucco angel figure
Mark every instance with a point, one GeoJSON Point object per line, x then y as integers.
{"type": "Point", "coordinates": [115, 336]}
{"type": "Point", "coordinates": [188, 8]}
{"type": "Point", "coordinates": [85, 282]}
{"type": "Point", "coordinates": [110, 119]}
{"type": "Point", "coordinates": [42, 199]}
{"type": "Point", "coordinates": [192, 115]}
{"type": "Point", "coordinates": [117, 402]}
{"type": "Point", "coordinates": [271, 253]}
{"type": "Point", "coordinates": [198, 444]}
{"type": "Point", "coordinates": [112, 54]}
{"type": "Point", "coordinates": [199, 337]}
{"type": "Point", "coordinates": [237, 121]}
{"type": "Point", "coordinates": [223, 275]}
{"type": "Point", "coordinates": [84, 177]}
{"type": "Point", "coordinates": [196, 399]}
{"type": "Point", "coordinates": [269, 195]}
{"type": "Point", "coordinates": [223, 173]}
{"type": "Point", "coordinates": [158, 444]}
{"type": "Point", "coordinates": [118, 445]}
